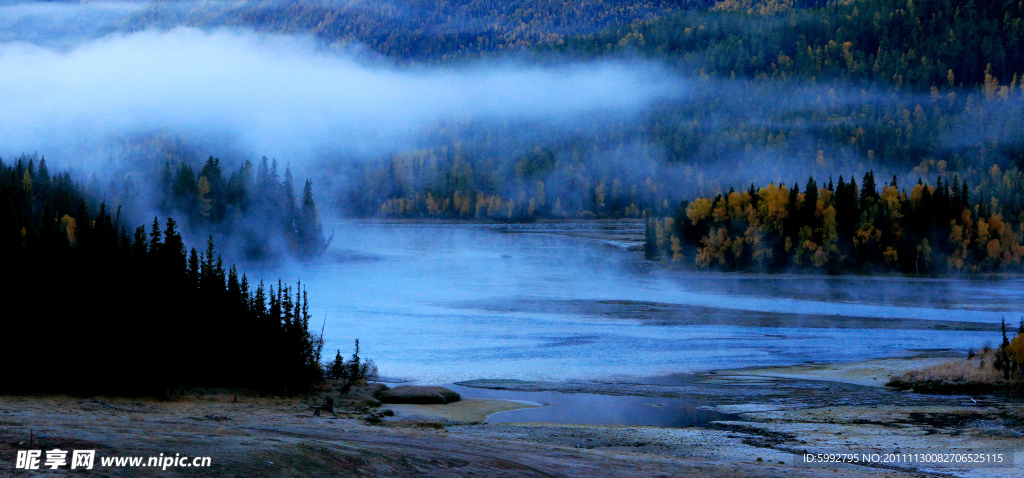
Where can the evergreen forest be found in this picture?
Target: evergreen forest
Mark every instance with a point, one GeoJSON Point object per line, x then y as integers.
{"type": "Point", "coordinates": [214, 203]}
{"type": "Point", "coordinates": [839, 227]}
{"type": "Point", "coordinates": [97, 305]}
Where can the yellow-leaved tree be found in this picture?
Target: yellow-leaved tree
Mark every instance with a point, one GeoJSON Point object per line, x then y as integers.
{"type": "Point", "coordinates": [68, 224]}
{"type": "Point", "coordinates": [205, 203]}
{"type": "Point", "coordinates": [1015, 351]}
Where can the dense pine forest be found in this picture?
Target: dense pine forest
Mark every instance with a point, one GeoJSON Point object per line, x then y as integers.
{"type": "Point", "coordinates": [920, 45]}
{"type": "Point", "coordinates": [224, 206]}
{"type": "Point", "coordinates": [840, 227]}
{"type": "Point", "coordinates": [252, 208]}
{"type": "Point", "coordinates": [966, 61]}
{"type": "Point", "coordinates": [98, 306]}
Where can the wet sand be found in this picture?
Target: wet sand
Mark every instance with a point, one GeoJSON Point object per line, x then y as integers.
{"type": "Point", "coordinates": [873, 373]}
{"type": "Point", "coordinates": [468, 410]}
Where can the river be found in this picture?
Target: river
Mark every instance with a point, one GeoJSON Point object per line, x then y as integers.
{"type": "Point", "coordinates": [448, 303]}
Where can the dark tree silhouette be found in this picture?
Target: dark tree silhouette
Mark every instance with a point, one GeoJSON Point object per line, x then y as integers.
{"type": "Point", "coordinates": [133, 315]}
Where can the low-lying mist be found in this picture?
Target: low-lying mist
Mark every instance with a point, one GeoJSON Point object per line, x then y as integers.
{"type": "Point", "coordinates": [278, 95]}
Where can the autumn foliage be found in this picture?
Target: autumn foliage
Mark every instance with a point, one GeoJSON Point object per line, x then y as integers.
{"type": "Point", "coordinates": [838, 227]}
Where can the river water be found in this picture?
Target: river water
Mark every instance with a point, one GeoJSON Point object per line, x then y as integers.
{"type": "Point", "coordinates": [438, 304]}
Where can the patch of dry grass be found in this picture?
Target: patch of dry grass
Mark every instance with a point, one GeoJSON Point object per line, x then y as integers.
{"type": "Point", "coordinates": [974, 374]}
{"type": "Point", "coordinates": [976, 369]}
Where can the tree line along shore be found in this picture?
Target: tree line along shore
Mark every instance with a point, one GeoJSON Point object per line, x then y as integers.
{"type": "Point", "coordinates": [97, 305]}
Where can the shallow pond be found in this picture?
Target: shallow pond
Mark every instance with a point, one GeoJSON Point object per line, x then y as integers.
{"type": "Point", "coordinates": [594, 409]}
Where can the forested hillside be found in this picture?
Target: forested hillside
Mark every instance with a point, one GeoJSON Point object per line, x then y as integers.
{"type": "Point", "coordinates": [780, 90]}
{"type": "Point", "coordinates": [98, 306]}
{"type": "Point", "coordinates": [769, 92]}
{"type": "Point", "coordinates": [893, 42]}
{"type": "Point", "coordinates": [902, 43]}
{"type": "Point", "coordinates": [417, 29]}
{"type": "Point", "coordinates": [700, 146]}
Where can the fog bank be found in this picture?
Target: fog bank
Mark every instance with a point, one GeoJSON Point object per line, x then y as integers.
{"type": "Point", "coordinates": [278, 95]}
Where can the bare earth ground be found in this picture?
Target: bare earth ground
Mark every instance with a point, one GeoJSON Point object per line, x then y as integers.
{"type": "Point", "coordinates": [917, 422]}
{"type": "Point", "coordinates": [786, 411]}
{"type": "Point", "coordinates": [260, 437]}
{"type": "Point", "coordinates": [834, 408]}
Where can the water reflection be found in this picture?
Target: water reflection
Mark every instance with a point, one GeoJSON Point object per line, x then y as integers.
{"type": "Point", "coordinates": [593, 409]}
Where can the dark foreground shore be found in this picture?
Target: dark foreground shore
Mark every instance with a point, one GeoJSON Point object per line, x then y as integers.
{"type": "Point", "coordinates": [783, 412]}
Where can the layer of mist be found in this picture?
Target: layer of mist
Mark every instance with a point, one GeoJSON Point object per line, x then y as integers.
{"type": "Point", "coordinates": [277, 95]}
{"type": "Point", "coordinates": [238, 95]}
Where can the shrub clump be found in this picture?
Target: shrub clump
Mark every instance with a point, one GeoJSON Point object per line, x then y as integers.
{"type": "Point", "coordinates": [354, 372]}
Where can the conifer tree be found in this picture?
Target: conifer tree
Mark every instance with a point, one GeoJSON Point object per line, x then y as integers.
{"type": "Point", "coordinates": [310, 235]}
